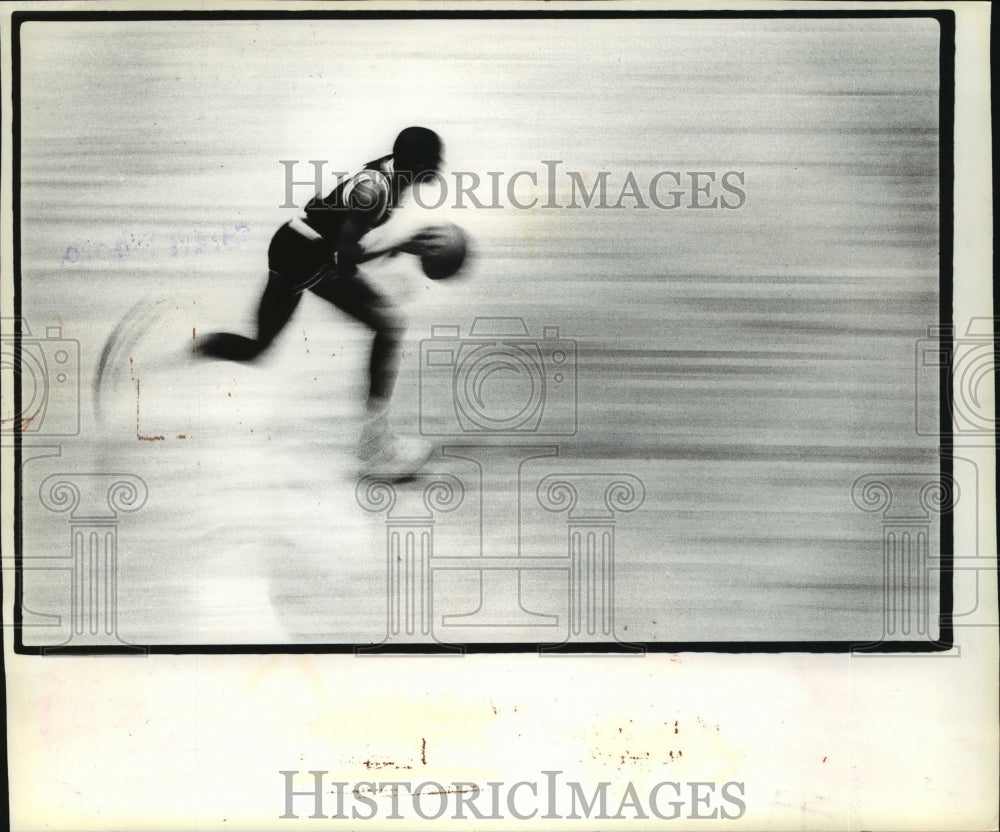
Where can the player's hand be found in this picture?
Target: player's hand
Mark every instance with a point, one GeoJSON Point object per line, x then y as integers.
{"type": "Point", "coordinates": [431, 240]}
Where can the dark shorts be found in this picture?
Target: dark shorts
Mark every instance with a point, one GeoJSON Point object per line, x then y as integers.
{"type": "Point", "coordinates": [297, 258]}
{"type": "Point", "coordinates": [298, 263]}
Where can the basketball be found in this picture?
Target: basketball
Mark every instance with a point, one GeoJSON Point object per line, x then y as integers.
{"type": "Point", "coordinates": [449, 253]}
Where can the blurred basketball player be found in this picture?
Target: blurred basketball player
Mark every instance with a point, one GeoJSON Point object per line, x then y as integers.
{"type": "Point", "coordinates": [319, 251]}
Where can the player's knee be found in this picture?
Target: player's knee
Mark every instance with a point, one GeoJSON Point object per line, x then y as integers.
{"type": "Point", "coordinates": [390, 322]}
{"type": "Point", "coordinates": [256, 347]}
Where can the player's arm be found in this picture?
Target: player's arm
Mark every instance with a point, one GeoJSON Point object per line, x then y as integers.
{"type": "Point", "coordinates": [347, 245]}
{"type": "Point", "coordinates": [366, 202]}
{"type": "Point", "coordinates": [355, 245]}
{"type": "Point", "coordinates": [362, 236]}
{"type": "Point", "coordinates": [430, 239]}
{"type": "Point", "coordinates": [400, 239]}
{"type": "Point", "coordinates": [358, 245]}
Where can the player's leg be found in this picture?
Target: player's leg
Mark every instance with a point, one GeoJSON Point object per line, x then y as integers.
{"type": "Point", "coordinates": [352, 295]}
{"type": "Point", "coordinates": [275, 309]}
{"type": "Point", "coordinates": [380, 451]}
{"type": "Point", "coordinates": [293, 260]}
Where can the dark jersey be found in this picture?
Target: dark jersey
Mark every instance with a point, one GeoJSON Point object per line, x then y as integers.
{"type": "Point", "coordinates": [367, 197]}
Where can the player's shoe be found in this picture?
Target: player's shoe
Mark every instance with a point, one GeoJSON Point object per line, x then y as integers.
{"type": "Point", "coordinates": [384, 454]}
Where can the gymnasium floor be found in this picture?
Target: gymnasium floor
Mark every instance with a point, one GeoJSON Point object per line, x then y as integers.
{"type": "Point", "coordinates": [746, 365]}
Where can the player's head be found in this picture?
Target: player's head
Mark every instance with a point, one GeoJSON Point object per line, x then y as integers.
{"type": "Point", "coordinates": [417, 150]}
